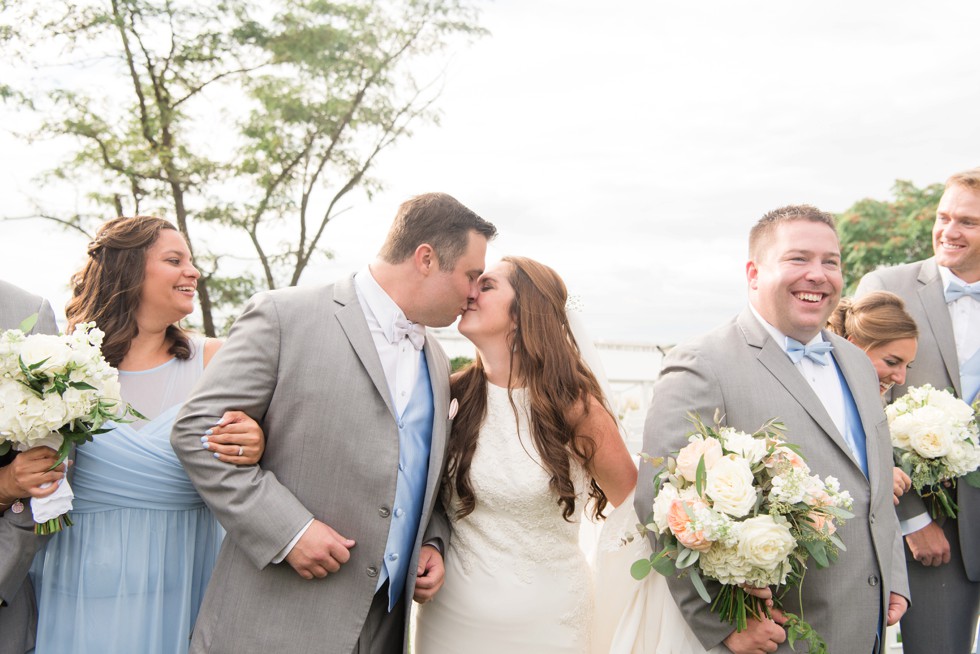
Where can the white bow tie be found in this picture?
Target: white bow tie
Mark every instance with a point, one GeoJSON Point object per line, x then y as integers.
{"type": "Point", "coordinates": [413, 331]}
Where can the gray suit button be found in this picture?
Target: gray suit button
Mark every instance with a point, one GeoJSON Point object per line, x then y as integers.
{"type": "Point", "coordinates": [384, 512]}
{"type": "Point", "coordinates": [873, 580]}
{"type": "Point", "coordinates": [372, 571]}
{"type": "Point", "coordinates": [872, 518]}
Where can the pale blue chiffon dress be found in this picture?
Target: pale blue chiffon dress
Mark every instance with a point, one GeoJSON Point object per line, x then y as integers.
{"type": "Point", "coordinates": [130, 575]}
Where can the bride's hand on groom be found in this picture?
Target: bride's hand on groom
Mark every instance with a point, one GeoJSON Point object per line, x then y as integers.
{"type": "Point", "coordinates": [761, 635]}
{"type": "Point", "coordinates": [429, 575]}
{"type": "Point", "coordinates": [319, 552]}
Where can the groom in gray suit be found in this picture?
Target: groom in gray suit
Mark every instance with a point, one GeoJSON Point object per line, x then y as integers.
{"type": "Point", "coordinates": [775, 360]}
{"type": "Point", "coordinates": [329, 537]}
{"type": "Point", "coordinates": [943, 295]}
{"type": "Point", "coordinates": [18, 544]}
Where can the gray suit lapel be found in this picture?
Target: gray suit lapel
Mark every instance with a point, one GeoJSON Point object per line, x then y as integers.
{"type": "Point", "coordinates": [933, 301]}
{"type": "Point", "coordinates": [772, 356]}
{"type": "Point", "coordinates": [352, 321]}
{"type": "Point", "coordinates": [440, 406]}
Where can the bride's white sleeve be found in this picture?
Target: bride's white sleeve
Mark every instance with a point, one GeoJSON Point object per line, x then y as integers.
{"type": "Point", "coordinates": [630, 616]}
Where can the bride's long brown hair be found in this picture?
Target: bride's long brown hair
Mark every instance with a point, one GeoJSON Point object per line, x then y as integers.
{"type": "Point", "coordinates": [559, 387]}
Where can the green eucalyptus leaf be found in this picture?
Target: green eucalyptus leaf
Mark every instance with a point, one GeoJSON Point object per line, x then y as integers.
{"type": "Point", "coordinates": [28, 323]}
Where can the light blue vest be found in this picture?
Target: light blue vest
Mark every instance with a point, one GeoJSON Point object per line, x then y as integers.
{"type": "Point", "coordinates": [970, 378]}
{"type": "Point", "coordinates": [414, 443]}
{"type": "Point", "coordinates": [853, 429]}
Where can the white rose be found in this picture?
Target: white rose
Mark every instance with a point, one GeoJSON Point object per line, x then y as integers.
{"type": "Point", "coordinates": [690, 456]}
{"type": "Point", "coordinates": [745, 445]}
{"type": "Point", "coordinates": [954, 408]}
{"type": "Point", "coordinates": [931, 438]}
{"type": "Point", "coordinates": [661, 506]}
{"type": "Point", "coordinates": [764, 543]}
{"type": "Point", "coordinates": [963, 457]}
{"type": "Point", "coordinates": [730, 486]}
{"type": "Point", "coordinates": [901, 427]}
{"type": "Point", "coordinates": [39, 347]}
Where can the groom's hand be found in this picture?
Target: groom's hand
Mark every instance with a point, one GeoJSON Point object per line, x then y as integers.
{"type": "Point", "coordinates": [430, 574]}
{"type": "Point", "coordinates": [319, 551]}
{"type": "Point", "coordinates": [761, 636]}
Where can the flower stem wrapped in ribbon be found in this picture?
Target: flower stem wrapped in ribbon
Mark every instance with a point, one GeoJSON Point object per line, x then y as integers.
{"type": "Point", "coordinates": [743, 510]}
{"type": "Point", "coordinates": [935, 441]}
{"type": "Point", "coordinates": [57, 391]}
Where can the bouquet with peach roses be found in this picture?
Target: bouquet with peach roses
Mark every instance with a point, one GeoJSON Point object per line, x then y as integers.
{"type": "Point", "coordinates": [743, 510]}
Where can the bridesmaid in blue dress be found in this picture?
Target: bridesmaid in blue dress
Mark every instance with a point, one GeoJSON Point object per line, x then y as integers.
{"type": "Point", "coordinates": [130, 574]}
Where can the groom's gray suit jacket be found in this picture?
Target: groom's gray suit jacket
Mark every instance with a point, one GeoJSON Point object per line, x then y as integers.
{"type": "Point", "coordinates": [18, 544]}
{"type": "Point", "coordinates": [302, 362]}
{"type": "Point", "coordinates": [741, 371]}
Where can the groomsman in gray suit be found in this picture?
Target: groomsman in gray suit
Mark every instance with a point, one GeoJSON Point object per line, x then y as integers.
{"type": "Point", "coordinates": [339, 526]}
{"type": "Point", "coordinates": [942, 293]}
{"type": "Point", "coordinates": [18, 616]}
{"type": "Point", "coordinates": [774, 360]}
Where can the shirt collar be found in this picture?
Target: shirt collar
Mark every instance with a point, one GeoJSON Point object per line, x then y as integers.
{"type": "Point", "coordinates": [948, 276]}
{"type": "Point", "coordinates": [777, 335]}
{"type": "Point", "coordinates": [377, 302]}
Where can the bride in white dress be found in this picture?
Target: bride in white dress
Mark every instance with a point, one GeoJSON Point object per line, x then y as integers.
{"type": "Point", "coordinates": [532, 445]}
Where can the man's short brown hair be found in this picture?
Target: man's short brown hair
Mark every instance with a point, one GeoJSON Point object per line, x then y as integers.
{"type": "Point", "coordinates": [763, 230]}
{"type": "Point", "coordinates": [439, 220]}
{"type": "Point", "coordinates": [968, 178]}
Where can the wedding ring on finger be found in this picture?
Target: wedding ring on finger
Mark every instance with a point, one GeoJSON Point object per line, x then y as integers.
{"type": "Point", "coordinates": [241, 450]}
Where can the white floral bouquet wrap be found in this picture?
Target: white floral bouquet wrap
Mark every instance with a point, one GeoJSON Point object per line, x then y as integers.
{"type": "Point", "coordinates": [744, 510]}
{"type": "Point", "coordinates": [55, 391]}
{"type": "Point", "coordinates": [935, 441]}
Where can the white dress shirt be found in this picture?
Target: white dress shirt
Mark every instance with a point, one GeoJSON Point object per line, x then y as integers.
{"type": "Point", "coordinates": [965, 316]}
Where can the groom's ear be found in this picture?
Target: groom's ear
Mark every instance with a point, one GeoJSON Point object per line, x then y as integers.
{"type": "Point", "coordinates": [425, 259]}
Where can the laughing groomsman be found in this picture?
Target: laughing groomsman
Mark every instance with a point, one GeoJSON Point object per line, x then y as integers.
{"type": "Point", "coordinates": [943, 295]}
{"type": "Point", "coordinates": [775, 360]}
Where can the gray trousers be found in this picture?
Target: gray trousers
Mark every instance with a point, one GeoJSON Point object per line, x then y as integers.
{"type": "Point", "coordinates": [383, 631]}
{"type": "Point", "coordinates": [943, 613]}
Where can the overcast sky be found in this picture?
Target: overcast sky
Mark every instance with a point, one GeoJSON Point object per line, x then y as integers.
{"type": "Point", "coordinates": [631, 145]}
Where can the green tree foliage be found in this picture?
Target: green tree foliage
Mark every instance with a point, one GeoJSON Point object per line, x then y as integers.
{"type": "Point", "coordinates": [246, 124]}
{"type": "Point", "coordinates": [458, 363]}
{"type": "Point", "coordinates": [876, 233]}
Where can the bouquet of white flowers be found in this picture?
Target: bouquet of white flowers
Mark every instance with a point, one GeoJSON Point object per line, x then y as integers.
{"type": "Point", "coordinates": [743, 510]}
{"type": "Point", "coordinates": [935, 441]}
{"type": "Point", "coordinates": [55, 391]}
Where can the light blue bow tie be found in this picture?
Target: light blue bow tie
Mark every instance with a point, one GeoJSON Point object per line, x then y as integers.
{"type": "Point", "coordinates": [414, 332]}
{"type": "Point", "coordinates": [955, 291]}
{"type": "Point", "coordinates": [817, 352]}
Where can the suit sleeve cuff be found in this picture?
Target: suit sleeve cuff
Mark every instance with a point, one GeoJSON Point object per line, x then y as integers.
{"type": "Point", "coordinates": [284, 552]}
{"type": "Point", "coordinates": [915, 523]}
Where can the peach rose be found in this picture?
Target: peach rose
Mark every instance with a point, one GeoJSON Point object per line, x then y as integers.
{"type": "Point", "coordinates": [680, 526]}
{"type": "Point", "coordinates": [821, 522]}
{"type": "Point", "coordinates": [690, 456]}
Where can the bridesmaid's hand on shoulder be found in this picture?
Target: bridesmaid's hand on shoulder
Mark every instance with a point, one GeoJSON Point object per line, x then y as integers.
{"type": "Point", "coordinates": [236, 438]}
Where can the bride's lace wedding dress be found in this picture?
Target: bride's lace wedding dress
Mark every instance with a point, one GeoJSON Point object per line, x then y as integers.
{"type": "Point", "coordinates": [516, 580]}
